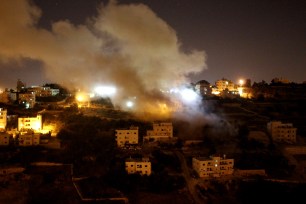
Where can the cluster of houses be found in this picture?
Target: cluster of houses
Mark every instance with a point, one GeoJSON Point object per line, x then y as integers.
{"type": "Point", "coordinates": [26, 95]}
{"type": "Point", "coordinates": [205, 167]}
{"type": "Point", "coordinates": [213, 166]}
{"type": "Point", "coordinates": [130, 137]}
{"type": "Point", "coordinates": [28, 133]}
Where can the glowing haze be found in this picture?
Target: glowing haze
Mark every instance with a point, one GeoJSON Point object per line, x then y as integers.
{"type": "Point", "coordinates": [125, 46]}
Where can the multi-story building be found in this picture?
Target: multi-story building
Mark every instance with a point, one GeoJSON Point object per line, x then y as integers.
{"type": "Point", "coordinates": [3, 119]}
{"type": "Point", "coordinates": [224, 84]}
{"type": "Point", "coordinates": [28, 99]}
{"type": "Point", "coordinates": [127, 136]}
{"type": "Point", "coordinates": [214, 166]}
{"type": "Point", "coordinates": [43, 91]}
{"type": "Point", "coordinates": [5, 138]}
{"type": "Point", "coordinates": [282, 132]}
{"type": "Point", "coordinates": [29, 138]}
{"type": "Point", "coordinates": [138, 166]}
{"type": "Point", "coordinates": [203, 88]}
{"type": "Point", "coordinates": [161, 131]}
{"type": "Point", "coordinates": [26, 123]}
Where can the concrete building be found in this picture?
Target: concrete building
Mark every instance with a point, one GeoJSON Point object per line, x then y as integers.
{"type": "Point", "coordinates": [138, 166]}
{"type": "Point", "coordinates": [127, 136]}
{"type": "Point", "coordinates": [28, 99]}
{"type": "Point", "coordinates": [43, 91]}
{"type": "Point", "coordinates": [282, 132]}
{"type": "Point", "coordinates": [214, 166]}
{"type": "Point", "coordinates": [29, 138]}
{"type": "Point", "coordinates": [203, 88]}
{"type": "Point", "coordinates": [224, 84]}
{"type": "Point", "coordinates": [161, 131]}
{"type": "Point", "coordinates": [5, 138]}
{"type": "Point", "coordinates": [26, 123]}
{"type": "Point", "coordinates": [3, 119]}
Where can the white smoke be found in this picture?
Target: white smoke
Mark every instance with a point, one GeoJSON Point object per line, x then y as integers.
{"type": "Point", "coordinates": [126, 46]}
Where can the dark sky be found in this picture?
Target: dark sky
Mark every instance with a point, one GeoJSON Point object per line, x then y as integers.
{"type": "Point", "coordinates": [259, 40]}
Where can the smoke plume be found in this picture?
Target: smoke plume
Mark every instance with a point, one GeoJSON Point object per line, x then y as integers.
{"type": "Point", "coordinates": [126, 46]}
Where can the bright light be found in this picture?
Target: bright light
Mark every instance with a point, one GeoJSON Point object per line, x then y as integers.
{"type": "Point", "coordinates": [105, 90]}
{"type": "Point", "coordinates": [241, 82]}
{"type": "Point", "coordinates": [80, 98]}
{"type": "Point", "coordinates": [188, 95]}
{"type": "Point", "coordinates": [174, 90]}
{"type": "Point", "coordinates": [129, 104]}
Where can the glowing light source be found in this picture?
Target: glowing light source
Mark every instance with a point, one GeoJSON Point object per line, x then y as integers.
{"type": "Point", "coordinates": [129, 104]}
{"type": "Point", "coordinates": [80, 98]}
{"type": "Point", "coordinates": [105, 90]}
{"type": "Point", "coordinates": [241, 82]}
{"type": "Point", "coordinates": [188, 95]}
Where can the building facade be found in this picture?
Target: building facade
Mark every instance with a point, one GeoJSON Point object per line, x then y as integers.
{"type": "Point", "coordinates": [29, 139]}
{"type": "Point", "coordinates": [5, 139]}
{"type": "Point", "coordinates": [138, 166]}
{"type": "Point", "coordinates": [127, 136]}
{"type": "Point", "coordinates": [282, 132]}
{"type": "Point", "coordinates": [28, 99]}
{"type": "Point", "coordinates": [214, 166]}
{"type": "Point", "coordinates": [3, 119]}
{"type": "Point", "coordinates": [203, 88]}
{"type": "Point", "coordinates": [161, 131]}
{"type": "Point", "coordinates": [26, 123]}
{"type": "Point", "coordinates": [224, 84]}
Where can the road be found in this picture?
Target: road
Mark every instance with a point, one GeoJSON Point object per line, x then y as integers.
{"type": "Point", "coordinates": [191, 182]}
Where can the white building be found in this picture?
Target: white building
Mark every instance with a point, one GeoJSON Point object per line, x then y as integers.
{"type": "Point", "coordinates": [127, 136]}
{"type": "Point", "coordinates": [214, 166]}
{"type": "Point", "coordinates": [138, 166]}
{"type": "Point", "coordinates": [34, 123]}
{"type": "Point", "coordinates": [3, 119]}
{"type": "Point", "coordinates": [282, 132]}
{"type": "Point", "coordinates": [161, 131]}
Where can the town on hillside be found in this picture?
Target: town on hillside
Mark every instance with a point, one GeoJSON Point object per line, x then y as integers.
{"type": "Point", "coordinates": [239, 143]}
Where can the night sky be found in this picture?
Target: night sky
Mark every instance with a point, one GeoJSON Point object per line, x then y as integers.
{"type": "Point", "coordinates": [259, 40]}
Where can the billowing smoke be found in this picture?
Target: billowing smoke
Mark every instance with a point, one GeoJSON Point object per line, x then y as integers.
{"type": "Point", "coordinates": [126, 46]}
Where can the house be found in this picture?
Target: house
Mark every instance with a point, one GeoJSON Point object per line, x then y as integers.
{"type": "Point", "coordinates": [34, 123]}
{"type": "Point", "coordinates": [127, 136]}
{"type": "Point", "coordinates": [29, 138]}
{"type": "Point", "coordinates": [5, 138]}
{"type": "Point", "coordinates": [138, 166]}
{"type": "Point", "coordinates": [28, 99]}
{"type": "Point", "coordinates": [160, 132]}
{"type": "Point", "coordinates": [282, 132]}
{"type": "Point", "coordinates": [3, 119]}
{"type": "Point", "coordinates": [214, 166]}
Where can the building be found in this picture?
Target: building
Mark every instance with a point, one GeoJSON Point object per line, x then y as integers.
{"type": "Point", "coordinates": [138, 166]}
{"type": "Point", "coordinates": [5, 138]}
{"type": "Point", "coordinates": [214, 166]}
{"type": "Point", "coordinates": [127, 136]}
{"type": "Point", "coordinates": [282, 132]}
{"type": "Point", "coordinates": [29, 138]}
{"type": "Point", "coordinates": [203, 88]}
{"type": "Point", "coordinates": [161, 131]}
{"type": "Point", "coordinates": [28, 99]}
{"type": "Point", "coordinates": [224, 84]}
{"type": "Point", "coordinates": [3, 119]}
{"type": "Point", "coordinates": [43, 91]}
{"type": "Point", "coordinates": [26, 123]}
